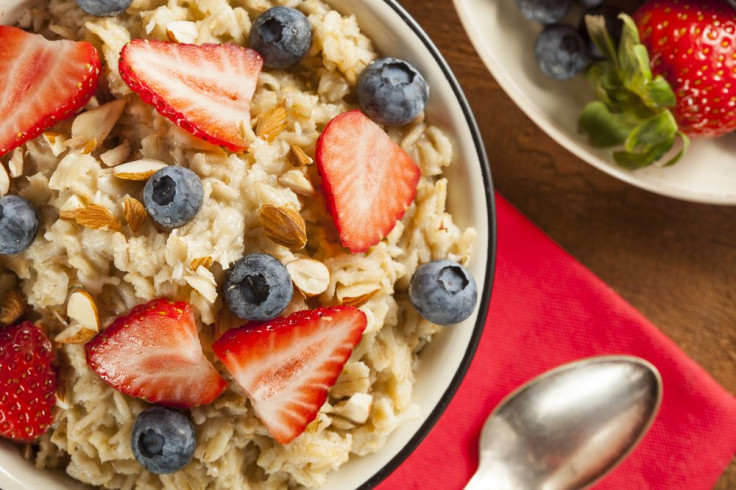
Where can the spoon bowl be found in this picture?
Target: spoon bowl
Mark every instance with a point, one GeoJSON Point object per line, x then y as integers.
{"type": "Point", "coordinates": [567, 428]}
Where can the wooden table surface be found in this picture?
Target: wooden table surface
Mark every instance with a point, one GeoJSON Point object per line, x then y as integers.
{"type": "Point", "coordinates": [674, 261]}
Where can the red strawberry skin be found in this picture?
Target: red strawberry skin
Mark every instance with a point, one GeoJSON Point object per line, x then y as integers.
{"type": "Point", "coordinates": [205, 89]}
{"type": "Point", "coordinates": [27, 383]}
{"type": "Point", "coordinates": [41, 83]}
{"type": "Point", "coordinates": [288, 364]}
{"type": "Point", "coordinates": [692, 44]}
{"type": "Point", "coordinates": [367, 179]}
{"type": "Point", "coordinates": [154, 353]}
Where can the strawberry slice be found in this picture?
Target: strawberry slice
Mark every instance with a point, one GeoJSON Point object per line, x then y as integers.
{"type": "Point", "coordinates": [288, 364]}
{"type": "Point", "coordinates": [205, 89]}
{"type": "Point", "coordinates": [154, 353]}
{"type": "Point", "coordinates": [41, 83]}
{"type": "Point", "coordinates": [367, 178]}
{"type": "Point", "coordinates": [27, 383]}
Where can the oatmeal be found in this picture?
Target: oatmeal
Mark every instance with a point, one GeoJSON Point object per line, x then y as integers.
{"type": "Point", "coordinates": [98, 242]}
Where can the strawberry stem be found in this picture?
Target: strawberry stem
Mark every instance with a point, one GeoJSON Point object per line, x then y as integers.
{"type": "Point", "coordinates": [632, 107]}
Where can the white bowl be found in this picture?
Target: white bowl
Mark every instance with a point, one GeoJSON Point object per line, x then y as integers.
{"type": "Point", "coordinates": [446, 359]}
{"type": "Point", "coordinates": [505, 42]}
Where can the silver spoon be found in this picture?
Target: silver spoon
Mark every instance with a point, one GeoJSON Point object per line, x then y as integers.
{"type": "Point", "coordinates": [567, 428]}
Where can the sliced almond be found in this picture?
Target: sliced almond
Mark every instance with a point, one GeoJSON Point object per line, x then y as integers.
{"type": "Point", "coordinates": [205, 262]}
{"type": "Point", "coordinates": [15, 164]}
{"type": "Point", "coordinates": [76, 334]}
{"type": "Point", "coordinates": [4, 180]}
{"type": "Point", "coordinates": [271, 123]}
{"type": "Point", "coordinates": [297, 182]}
{"type": "Point", "coordinates": [356, 294]}
{"type": "Point", "coordinates": [134, 213]}
{"type": "Point", "coordinates": [138, 169]}
{"type": "Point", "coordinates": [68, 210]}
{"type": "Point", "coordinates": [12, 307]}
{"type": "Point", "coordinates": [82, 309]}
{"type": "Point", "coordinates": [284, 226]}
{"type": "Point", "coordinates": [116, 156]}
{"type": "Point", "coordinates": [97, 217]}
{"type": "Point", "coordinates": [90, 128]}
{"type": "Point", "coordinates": [182, 31]}
{"type": "Point", "coordinates": [297, 157]}
{"type": "Point", "coordinates": [56, 141]}
{"type": "Point", "coordinates": [310, 276]}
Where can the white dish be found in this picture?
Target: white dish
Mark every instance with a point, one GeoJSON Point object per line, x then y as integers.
{"type": "Point", "coordinates": [446, 359]}
{"type": "Point", "coordinates": [505, 42]}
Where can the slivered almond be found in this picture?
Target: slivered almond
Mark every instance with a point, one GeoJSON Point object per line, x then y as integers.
{"type": "Point", "coordinates": [96, 216]}
{"type": "Point", "coordinates": [284, 226]}
{"type": "Point", "coordinates": [12, 307]}
{"type": "Point", "coordinates": [116, 156]}
{"type": "Point", "coordinates": [56, 141]}
{"type": "Point", "coordinates": [91, 127]}
{"type": "Point", "coordinates": [4, 180]}
{"type": "Point", "coordinates": [297, 182]}
{"type": "Point", "coordinates": [297, 157]}
{"type": "Point", "coordinates": [271, 123]}
{"type": "Point", "coordinates": [76, 334]}
{"type": "Point", "coordinates": [310, 276]}
{"type": "Point", "coordinates": [82, 309]}
{"type": "Point", "coordinates": [134, 213]}
{"type": "Point", "coordinates": [205, 262]}
{"type": "Point", "coordinates": [356, 294]}
{"type": "Point", "coordinates": [138, 169]}
{"type": "Point", "coordinates": [15, 164]}
{"type": "Point", "coordinates": [182, 31]}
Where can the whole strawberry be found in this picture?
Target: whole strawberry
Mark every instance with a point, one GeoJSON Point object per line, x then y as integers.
{"type": "Point", "coordinates": [27, 383]}
{"type": "Point", "coordinates": [692, 44]}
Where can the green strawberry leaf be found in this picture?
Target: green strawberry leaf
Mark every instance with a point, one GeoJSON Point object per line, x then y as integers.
{"type": "Point", "coordinates": [630, 110]}
{"type": "Point", "coordinates": [604, 128]}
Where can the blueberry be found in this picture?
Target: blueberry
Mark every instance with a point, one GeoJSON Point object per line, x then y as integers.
{"type": "Point", "coordinates": [391, 91]}
{"type": "Point", "coordinates": [173, 196]}
{"type": "Point", "coordinates": [443, 292]}
{"type": "Point", "coordinates": [544, 11]}
{"type": "Point", "coordinates": [282, 36]}
{"type": "Point", "coordinates": [561, 51]}
{"type": "Point", "coordinates": [163, 440]}
{"type": "Point", "coordinates": [258, 287]}
{"type": "Point", "coordinates": [18, 225]}
{"type": "Point", "coordinates": [104, 8]}
{"type": "Point", "coordinates": [614, 26]}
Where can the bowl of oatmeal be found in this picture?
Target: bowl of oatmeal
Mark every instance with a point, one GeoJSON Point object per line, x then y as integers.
{"type": "Point", "coordinates": [102, 251]}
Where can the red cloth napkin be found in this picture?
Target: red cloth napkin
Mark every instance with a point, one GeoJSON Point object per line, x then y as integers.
{"type": "Point", "coordinates": [547, 310]}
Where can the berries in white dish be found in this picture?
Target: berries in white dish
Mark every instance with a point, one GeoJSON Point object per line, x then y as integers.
{"type": "Point", "coordinates": [282, 35]}
{"type": "Point", "coordinates": [163, 440]}
{"type": "Point", "coordinates": [104, 8]}
{"type": "Point", "coordinates": [561, 51]}
{"type": "Point", "coordinates": [443, 292]}
{"type": "Point", "coordinates": [258, 287]}
{"type": "Point", "coordinates": [173, 196]}
{"type": "Point", "coordinates": [392, 91]}
{"type": "Point", "coordinates": [18, 224]}
{"type": "Point", "coordinates": [544, 11]}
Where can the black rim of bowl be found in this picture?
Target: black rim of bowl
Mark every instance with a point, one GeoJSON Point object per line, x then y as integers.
{"type": "Point", "coordinates": [438, 410]}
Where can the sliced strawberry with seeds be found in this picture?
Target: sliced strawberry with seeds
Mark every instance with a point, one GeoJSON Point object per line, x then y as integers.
{"type": "Point", "coordinates": [41, 83]}
{"type": "Point", "coordinates": [154, 353]}
{"type": "Point", "coordinates": [27, 383]}
{"type": "Point", "coordinates": [205, 89]}
{"type": "Point", "coordinates": [367, 178]}
{"type": "Point", "coordinates": [288, 364]}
